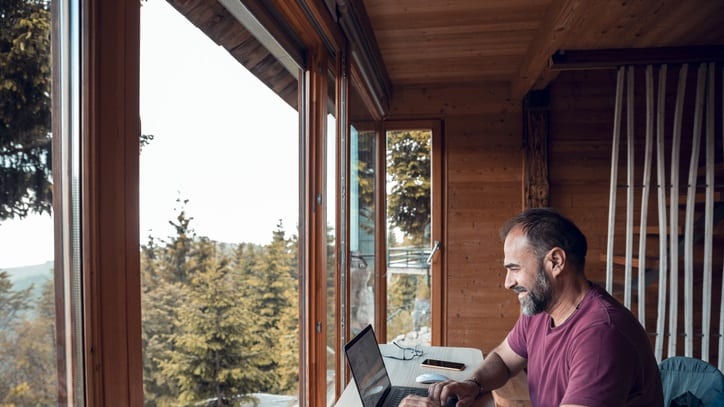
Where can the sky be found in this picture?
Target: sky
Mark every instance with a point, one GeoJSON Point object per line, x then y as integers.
{"type": "Point", "coordinates": [222, 140]}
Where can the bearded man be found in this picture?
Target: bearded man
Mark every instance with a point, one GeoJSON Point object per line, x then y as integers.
{"type": "Point", "coordinates": [580, 346]}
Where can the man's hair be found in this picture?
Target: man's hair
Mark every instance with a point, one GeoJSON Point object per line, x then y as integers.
{"type": "Point", "coordinates": [545, 229]}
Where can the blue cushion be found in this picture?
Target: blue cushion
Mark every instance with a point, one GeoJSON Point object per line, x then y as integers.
{"type": "Point", "coordinates": [681, 375]}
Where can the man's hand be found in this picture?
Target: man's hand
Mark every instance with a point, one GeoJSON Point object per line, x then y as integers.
{"type": "Point", "coordinates": [465, 392]}
{"type": "Point", "coordinates": [418, 401]}
{"type": "Point", "coordinates": [441, 393]}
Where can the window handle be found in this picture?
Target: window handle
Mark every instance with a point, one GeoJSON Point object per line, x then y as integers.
{"type": "Point", "coordinates": [434, 250]}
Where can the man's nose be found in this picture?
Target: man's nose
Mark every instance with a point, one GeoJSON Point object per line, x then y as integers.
{"type": "Point", "coordinates": [509, 281]}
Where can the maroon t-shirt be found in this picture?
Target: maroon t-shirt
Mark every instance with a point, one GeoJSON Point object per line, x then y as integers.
{"type": "Point", "coordinates": [600, 356]}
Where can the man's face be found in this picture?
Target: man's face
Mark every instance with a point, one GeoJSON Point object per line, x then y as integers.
{"type": "Point", "coordinates": [526, 274]}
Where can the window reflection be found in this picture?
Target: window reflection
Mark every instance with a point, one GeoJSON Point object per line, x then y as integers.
{"type": "Point", "coordinates": [363, 150]}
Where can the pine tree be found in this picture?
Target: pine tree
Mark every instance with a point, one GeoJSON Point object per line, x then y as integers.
{"type": "Point", "coordinates": [400, 302]}
{"type": "Point", "coordinates": [266, 280]}
{"type": "Point", "coordinates": [287, 324]}
{"type": "Point", "coordinates": [216, 355]}
{"type": "Point", "coordinates": [287, 351]}
{"type": "Point", "coordinates": [24, 108]}
{"type": "Point", "coordinates": [161, 298]}
{"type": "Point", "coordinates": [34, 380]}
{"type": "Point", "coordinates": [160, 301]}
{"type": "Point", "coordinates": [12, 303]}
{"type": "Point", "coordinates": [408, 166]}
{"type": "Point", "coordinates": [177, 249]}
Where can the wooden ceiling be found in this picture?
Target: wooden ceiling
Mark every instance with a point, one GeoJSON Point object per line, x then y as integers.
{"type": "Point", "coordinates": [458, 42]}
{"type": "Point", "coordinates": [435, 42]}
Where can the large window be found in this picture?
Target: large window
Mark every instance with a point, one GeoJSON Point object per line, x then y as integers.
{"type": "Point", "coordinates": [219, 216]}
{"type": "Point", "coordinates": [189, 282]}
{"type": "Point", "coordinates": [40, 346]}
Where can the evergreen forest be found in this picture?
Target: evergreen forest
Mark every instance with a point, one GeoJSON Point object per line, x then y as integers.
{"type": "Point", "coordinates": [220, 324]}
{"type": "Point", "coordinates": [220, 321]}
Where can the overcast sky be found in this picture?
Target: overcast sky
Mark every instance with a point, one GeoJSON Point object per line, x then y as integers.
{"type": "Point", "coordinates": [222, 140]}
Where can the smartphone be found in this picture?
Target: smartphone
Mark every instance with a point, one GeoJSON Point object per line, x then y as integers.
{"type": "Point", "coordinates": [443, 364]}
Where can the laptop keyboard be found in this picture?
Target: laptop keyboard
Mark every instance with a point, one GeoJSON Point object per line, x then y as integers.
{"type": "Point", "coordinates": [397, 393]}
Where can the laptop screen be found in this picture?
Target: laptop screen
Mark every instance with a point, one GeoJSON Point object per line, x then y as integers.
{"type": "Point", "coordinates": [368, 368]}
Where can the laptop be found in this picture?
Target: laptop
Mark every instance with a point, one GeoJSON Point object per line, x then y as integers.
{"type": "Point", "coordinates": [370, 375]}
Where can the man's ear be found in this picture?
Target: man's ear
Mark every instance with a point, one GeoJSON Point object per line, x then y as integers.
{"type": "Point", "coordinates": [557, 260]}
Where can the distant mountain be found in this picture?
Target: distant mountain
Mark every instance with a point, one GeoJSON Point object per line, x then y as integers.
{"type": "Point", "coordinates": [23, 277]}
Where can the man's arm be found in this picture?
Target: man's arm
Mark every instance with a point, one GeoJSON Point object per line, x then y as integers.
{"type": "Point", "coordinates": [496, 369]}
{"type": "Point", "coordinates": [499, 366]}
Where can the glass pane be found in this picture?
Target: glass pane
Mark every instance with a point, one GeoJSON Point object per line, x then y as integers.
{"type": "Point", "coordinates": [36, 345]}
{"type": "Point", "coordinates": [363, 150]}
{"type": "Point", "coordinates": [330, 199]}
{"type": "Point", "coordinates": [408, 235]}
{"type": "Point", "coordinates": [219, 215]}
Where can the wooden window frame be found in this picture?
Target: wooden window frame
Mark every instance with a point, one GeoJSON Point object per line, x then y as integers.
{"type": "Point", "coordinates": [342, 232]}
{"type": "Point", "coordinates": [437, 192]}
{"type": "Point", "coordinates": [312, 244]}
{"type": "Point", "coordinates": [324, 42]}
{"type": "Point", "coordinates": [110, 130]}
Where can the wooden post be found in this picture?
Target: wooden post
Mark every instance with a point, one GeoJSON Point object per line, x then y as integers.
{"type": "Point", "coordinates": [661, 194]}
{"type": "Point", "coordinates": [536, 112]}
{"type": "Point", "coordinates": [614, 180]}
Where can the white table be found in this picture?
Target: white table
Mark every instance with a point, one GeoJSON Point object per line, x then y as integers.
{"type": "Point", "coordinates": [404, 372]}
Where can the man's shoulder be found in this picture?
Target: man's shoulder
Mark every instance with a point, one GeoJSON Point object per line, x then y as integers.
{"type": "Point", "coordinates": [604, 312]}
{"type": "Point", "coordinates": [603, 305]}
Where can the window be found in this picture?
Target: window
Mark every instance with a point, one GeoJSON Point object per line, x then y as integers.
{"type": "Point", "coordinates": [413, 231]}
{"type": "Point", "coordinates": [219, 216]}
{"type": "Point", "coordinates": [40, 289]}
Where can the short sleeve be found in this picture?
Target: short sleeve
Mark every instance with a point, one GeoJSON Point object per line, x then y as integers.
{"type": "Point", "coordinates": [518, 337]}
{"type": "Point", "coordinates": [600, 365]}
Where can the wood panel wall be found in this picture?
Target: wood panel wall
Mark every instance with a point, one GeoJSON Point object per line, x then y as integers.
{"type": "Point", "coordinates": [582, 106]}
{"type": "Point", "coordinates": [482, 189]}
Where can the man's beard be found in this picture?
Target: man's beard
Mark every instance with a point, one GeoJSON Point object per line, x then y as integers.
{"type": "Point", "coordinates": [539, 296]}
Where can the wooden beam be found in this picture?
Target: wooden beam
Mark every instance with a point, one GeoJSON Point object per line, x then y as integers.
{"type": "Point", "coordinates": [255, 18]}
{"type": "Point", "coordinates": [613, 58]}
{"type": "Point", "coordinates": [562, 15]}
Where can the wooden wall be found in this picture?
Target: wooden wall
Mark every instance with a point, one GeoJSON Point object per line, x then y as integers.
{"type": "Point", "coordinates": [582, 110]}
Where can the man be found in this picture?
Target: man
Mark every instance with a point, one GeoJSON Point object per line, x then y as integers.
{"type": "Point", "coordinates": [580, 346]}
